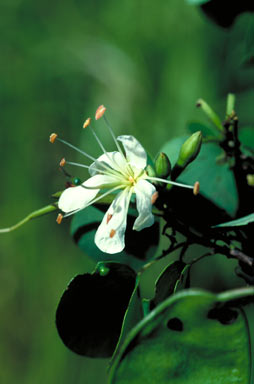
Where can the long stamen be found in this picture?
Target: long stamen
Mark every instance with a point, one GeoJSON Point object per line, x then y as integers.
{"type": "Point", "coordinates": [96, 199]}
{"type": "Point", "coordinates": [76, 149]}
{"type": "Point", "coordinates": [169, 182]}
{"type": "Point", "coordinates": [113, 135]}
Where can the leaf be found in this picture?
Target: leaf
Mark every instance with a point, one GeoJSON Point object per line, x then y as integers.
{"type": "Point", "coordinates": [206, 131]}
{"type": "Point", "coordinates": [167, 281]}
{"type": "Point", "coordinates": [246, 137]}
{"type": "Point", "coordinates": [197, 2]}
{"type": "Point", "coordinates": [140, 246]}
{"type": "Point", "coordinates": [91, 310]}
{"type": "Point", "coordinates": [192, 337]}
{"type": "Point", "coordinates": [238, 222]}
{"type": "Point", "coordinates": [216, 180]}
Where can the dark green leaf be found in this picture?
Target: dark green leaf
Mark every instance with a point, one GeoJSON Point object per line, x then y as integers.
{"type": "Point", "coordinates": [91, 310]}
{"type": "Point", "coordinates": [192, 337]}
{"type": "Point", "coordinates": [238, 222]}
{"type": "Point", "coordinates": [246, 137]}
{"type": "Point", "coordinates": [166, 283]}
{"type": "Point", "coordinates": [216, 180]}
{"type": "Point", "coordinates": [140, 246]}
{"type": "Point", "coordinates": [206, 131]}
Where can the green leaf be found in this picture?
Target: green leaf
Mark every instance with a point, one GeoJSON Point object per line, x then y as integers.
{"type": "Point", "coordinates": [140, 246]}
{"type": "Point", "coordinates": [167, 281]}
{"type": "Point", "coordinates": [246, 137]}
{"type": "Point", "coordinates": [194, 126]}
{"type": "Point", "coordinates": [216, 180]}
{"type": "Point", "coordinates": [192, 337]}
{"type": "Point", "coordinates": [238, 222]}
{"type": "Point", "coordinates": [91, 310]}
{"type": "Point", "coordinates": [197, 2]}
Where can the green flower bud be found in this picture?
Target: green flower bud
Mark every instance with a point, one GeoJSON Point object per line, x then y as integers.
{"type": "Point", "coordinates": [190, 149]}
{"type": "Point", "coordinates": [162, 165]}
{"type": "Point", "coordinates": [150, 171]}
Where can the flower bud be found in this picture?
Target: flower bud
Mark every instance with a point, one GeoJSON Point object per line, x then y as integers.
{"type": "Point", "coordinates": [162, 165]}
{"type": "Point", "coordinates": [150, 171]}
{"type": "Point", "coordinates": [190, 149]}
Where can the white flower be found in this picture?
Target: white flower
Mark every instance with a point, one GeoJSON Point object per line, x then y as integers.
{"type": "Point", "coordinates": [123, 171]}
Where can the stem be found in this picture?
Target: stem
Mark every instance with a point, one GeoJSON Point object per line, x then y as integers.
{"type": "Point", "coordinates": [230, 104]}
{"type": "Point", "coordinates": [210, 114]}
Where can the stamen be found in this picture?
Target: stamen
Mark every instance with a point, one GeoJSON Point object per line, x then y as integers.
{"type": "Point", "coordinates": [109, 217]}
{"type": "Point", "coordinates": [87, 122]}
{"type": "Point", "coordinates": [154, 197]}
{"type": "Point", "coordinates": [76, 149]}
{"type": "Point", "coordinates": [62, 162]}
{"type": "Point", "coordinates": [113, 135]}
{"type": "Point", "coordinates": [112, 233]}
{"type": "Point", "coordinates": [169, 182]}
{"type": "Point", "coordinates": [59, 218]}
{"type": "Point", "coordinates": [100, 112]}
{"type": "Point", "coordinates": [52, 137]}
{"type": "Point", "coordinates": [131, 179]}
{"type": "Point", "coordinates": [196, 188]}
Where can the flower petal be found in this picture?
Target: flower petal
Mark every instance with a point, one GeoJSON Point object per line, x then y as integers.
{"type": "Point", "coordinates": [135, 153]}
{"type": "Point", "coordinates": [110, 235]}
{"type": "Point", "coordinates": [102, 181]}
{"type": "Point", "coordinates": [113, 160]}
{"type": "Point", "coordinates": [74, 198]}
{"type": "Point", "coordinates": [144, 191]}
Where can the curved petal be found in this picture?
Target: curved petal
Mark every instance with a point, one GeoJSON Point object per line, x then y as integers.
{"type": "Point", "coordinates": [101, 181]}
{"type": "Point", "coordinates": [135, 153]}
{"type": "Point", "coordinates": [74, 198]}
{"type": "Point", "coordinates": [144, 191]}
{"type": "Point", "coordinates": [109, 237]}
{"type": "Point", "coordinates": [113, 160]}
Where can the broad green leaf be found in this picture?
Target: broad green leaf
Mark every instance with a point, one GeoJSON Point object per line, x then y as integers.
{"type": "Point", "coordinates": [238, 222]}
{"type": "Point", "coordinates": [192, 337]}
{"type": "Point", "coordinates": [140, 246]}
{"type": "Point", "coordinates": [206, 131]}
{"type": "Point", "coordinates": [91, 310]}
{"type": "Point", "coordinates": [216, 180]}
{"type": "Point", "coordinates": [246, 137]}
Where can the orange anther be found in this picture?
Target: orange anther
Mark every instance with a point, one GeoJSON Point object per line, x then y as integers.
{"type": "Point", "coordinates": [52, 137]}
{"type": "Point", "coordinates": [62, 162]}
{"type": "Point", "coordinates": [59, 218]}
{"type": "Point", "coordinates": [109, 217]}
{"type": "Point", "coordinates": [112, 233]}
{"type": "Point", "coordinates": [154, 197]}
{"type": "Point", "coordinates": [196, 188]}
{"type": "Point", "coordinates": [100, 112]}
{"type": "Point", "coordinates": [87, 122]}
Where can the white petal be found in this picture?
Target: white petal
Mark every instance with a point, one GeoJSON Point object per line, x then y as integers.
{"type": "Point", "coordinates": [135, 153]}
{"type": "Point", "coordinates": [113, 160]}
{"type": "Point", "coordinates": [102, 181]}
{"type": "Point", "coordinates": [110, 235]}
{"type": "Point", "coordinates": [144, 191]}
{"type": "Point", "coordinates": [74, 198]}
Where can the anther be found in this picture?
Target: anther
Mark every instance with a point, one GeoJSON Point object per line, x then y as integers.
{"type": "Point", "coordinates": [59, 218]}
{"type": "Point", "coordinates": [62, 162]}
{"type": "Point", "coordinates": [52, 137]}
{"type": "Point", "coordinates": [109, 217]}
{"type": "Point", "coordinates": [112, 233]}
{"type": "Point", "coordinates": [196, 188]}
{"type": "Point", "coordinates": [87, 122]}
{"type": "Point", "coordinates": [131, 179]}
{"type": "Point", "coordinates": [100, 112]}
{"type": "Point", "coordinates": [154, 197]}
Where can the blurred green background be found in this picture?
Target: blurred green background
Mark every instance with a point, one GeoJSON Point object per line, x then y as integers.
{"type": "Point", "coordinates": [148, 62]}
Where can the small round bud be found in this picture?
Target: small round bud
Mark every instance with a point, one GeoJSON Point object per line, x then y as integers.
{"type": "Point", "coordinates": [52, 137]}
{"type": "Point", "coordinates": [87, 122]}
{"type": "Point", "coordinates": [250, 180]}
{"type": "Point", "coordinates": [59, 218]}
{"type": "Point", "coordinates": [62, 162]}
{"type": "Point", "coordinates": [190, 149]}
{"type": "Point", "coordinates": [162, 165]}
{"type": "Point", "coordinates": [76, 181]}
{"type": "Point", "coordinates": [196, 188]}
{"type": "Point", "coordinates": [100, 112]}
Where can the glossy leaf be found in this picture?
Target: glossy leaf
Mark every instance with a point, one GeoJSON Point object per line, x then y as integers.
{"type": "Point", "coordinates": [192, 337]}
{"type": "Point", "coordinates": [140, 246]}
{"type": "Point", "coordinates": [238, 222]}
{"type": "Point", "coordinates": [91, 310]}
{"type": "Point", "coordinates": [216, 180]}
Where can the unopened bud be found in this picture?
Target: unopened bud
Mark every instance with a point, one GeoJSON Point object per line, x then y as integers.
{"type": "Point", "coordinates": [150, 171]}
{"type": "Point", "coordinates": [59, 218]}
{"type": "Point", "coordinates": [87, 122]}
{"type": "Point", "coordinates": [62, 162]}
{"type": "Point", "coordinates": [196, 188]}
{"type": "Point", "coordinates": [52, 137]}
{"type": "Point", "coordinates": [250, 180]}
{"type": "Point", "coordinates": [190, 149]}
{"type": "Point", "coordinates": [100, 112]}
{"type": "Point", "coordinates": [162, 165]}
